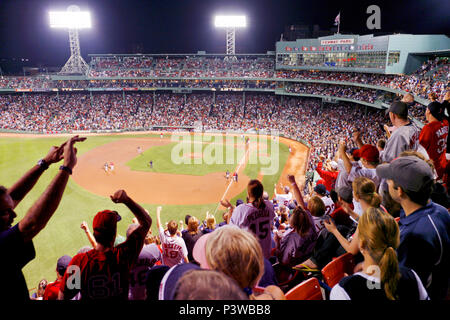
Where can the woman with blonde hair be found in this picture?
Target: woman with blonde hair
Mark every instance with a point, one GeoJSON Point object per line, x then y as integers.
{"type": "Point", "coordinates": [236, 253]}
{"type": "Point", "coordinates": [381, 277]}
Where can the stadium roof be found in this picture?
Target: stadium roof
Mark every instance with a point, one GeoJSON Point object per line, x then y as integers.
{"type": "Point", "coordinates": [444, 53]}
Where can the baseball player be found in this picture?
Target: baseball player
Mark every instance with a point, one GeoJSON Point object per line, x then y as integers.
{"type": "Point", "coordinates": [227, 175]}
{"type": "Point", "coordinates": [161, 135]}
{"type": "Point", "coordinates": [151, 164]}
{"type": "Point", "coordinates": [106, 167]}
{"type": "Point", "coordinates": [139, 150]}
{"type": "Point", "coordinates": [433, 137]}
{"type": "Point", "coordinates": [290, 149]}
{"type": "Point", "coordinates": [111, 166]}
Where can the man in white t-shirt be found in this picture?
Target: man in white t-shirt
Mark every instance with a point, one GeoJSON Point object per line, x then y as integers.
{"type": "Point", "coordinates": [149, 255]}
{"type": "Point", "coordinates": [173, 247]}
{"type": "Point", "coordinates": [283, 198]}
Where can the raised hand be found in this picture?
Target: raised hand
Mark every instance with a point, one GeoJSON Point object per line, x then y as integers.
{"type": "Point", "coordinates": [120, 196]}
{"type": "Point", "coordinates": [70, 153]}
{"type": "Point", "coordinates": [226, 203]}
{"type": "Point", "coordinates": [291, 178]}
{"type": "Point", "coordinates": [55, 154]}
{"type": "Point", "coordinates": [84, 226]}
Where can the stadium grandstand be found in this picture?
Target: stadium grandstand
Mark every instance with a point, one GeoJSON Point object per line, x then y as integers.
{"type": "Point", "coordinates": [321, 92]}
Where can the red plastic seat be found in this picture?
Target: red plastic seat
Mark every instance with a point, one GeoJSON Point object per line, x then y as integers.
{"type": "Point", "coordinates": [307, 290]}
{"type": "Point", "coordinates": [397, 219]}
{"type": "Point", "coordinates": [335, 270]}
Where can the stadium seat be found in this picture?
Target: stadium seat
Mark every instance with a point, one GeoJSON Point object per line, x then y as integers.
{"type": "Point", "coordinates": [307, 290]}
{"type": "Point", "coordinates": [397, 219]}
{"type": "Point", "coordinates": [335, 270]}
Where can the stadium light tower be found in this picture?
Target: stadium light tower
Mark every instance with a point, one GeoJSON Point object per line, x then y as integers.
{"type": "Point", "coordinates": [230, 23]}
{"type": "Point", "coordinates": [73, 19]}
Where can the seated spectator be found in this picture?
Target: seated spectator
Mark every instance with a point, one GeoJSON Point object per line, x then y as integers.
{"type": "Point", "coordinates": [424, 239]}
{"type": "Point", "coordinates": [236, 253]}
{"type": "Point", "coordinates": [379, 237]}
{"type": "Point", "coordinates": [191, 236]}
{"type": "Point", "coordinates": [298, 242]}
{"type": "Point", "coordinates": [207, 285]}
{"type": "Point", "coordinates": [16, 243]}
{"type": "Point", "coordinates": [52, 289]}
{"type": "Point", "coordinates": [344, 204]}
{"type": "Point", "coordinates": [317, 209]}
{"type": "Point", "coordinates": [186, 222]}
{"type": "Point", "coordinates": [106, 262]}
{"type": "Point", "coordinates": [173, 247]}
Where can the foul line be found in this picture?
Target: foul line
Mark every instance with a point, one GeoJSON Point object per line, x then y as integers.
{"type": "Point", "coordinates": [231, 182]}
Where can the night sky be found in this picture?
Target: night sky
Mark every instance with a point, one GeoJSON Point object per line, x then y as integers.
{"type": "Point", "coordinates": [186, 26]}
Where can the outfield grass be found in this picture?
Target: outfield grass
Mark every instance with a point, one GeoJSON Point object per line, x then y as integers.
{"type": "Point", "coordinates": [63, 234]}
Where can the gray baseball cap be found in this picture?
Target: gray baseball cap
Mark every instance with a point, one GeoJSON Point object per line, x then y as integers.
{"type": "Point", "coordinates": [410, 173]}
{"type": "Point", "coordinates": [399, 108]}
{"type": "Point", "coordinates": [346, 193]}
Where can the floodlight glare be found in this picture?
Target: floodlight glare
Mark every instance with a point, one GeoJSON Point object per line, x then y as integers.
{"type": "Point", "coordinates": [70, 20]}
{"type": "Point", "coordinates": [230, 21]}
{"type": "Point", "coordinates": [73, 19]}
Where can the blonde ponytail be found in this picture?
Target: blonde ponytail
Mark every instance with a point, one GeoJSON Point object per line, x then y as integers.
{"type": "Point", "coordinates": [365, 189]}
{"type": "Point", "coordinates": [389, 273]}
{"type": "Point", "coordinates": [380, 235]}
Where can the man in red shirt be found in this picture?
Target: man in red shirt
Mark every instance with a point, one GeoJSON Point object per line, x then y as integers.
{"type": "Point", "coordinates": [433, 136]}
{"type": "Point", "coordinates": [104, 272]}
{"type": "Point", "coordinates": [329, 177]}
{"type": "Point", "coordinates": [52, 289]}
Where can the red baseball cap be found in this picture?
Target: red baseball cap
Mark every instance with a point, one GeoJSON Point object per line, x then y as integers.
{"type": "Point", "coordinates": [368, 152]}
{"type": "Point", "coordinates": [106, 221]}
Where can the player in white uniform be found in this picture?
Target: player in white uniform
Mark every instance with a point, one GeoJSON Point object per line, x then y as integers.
{"type": "Point", "coordinates": [111, 166]}
{"type": "Point", "coordinates": [174, 247]}
{"type": "Point", "coordinates": [106, 167]}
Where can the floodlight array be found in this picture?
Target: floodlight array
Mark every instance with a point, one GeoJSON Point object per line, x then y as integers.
{"type": "Point", "coordinates": [230, 21]}
{"type": "Point", "coordinates": [70, 20]}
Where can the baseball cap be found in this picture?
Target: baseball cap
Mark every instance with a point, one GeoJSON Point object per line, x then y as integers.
{"type": "Point", "coordinates": [239, 201]}
{"type": "Point", "coordinates": [346, 193]}
{"type": "Point", "coordinates": [436, 110]}
{"type": "Point", "coordinates": [320, 189]}
{"type": "Point", "coordinates": [352, 151]}
{"type": "Point", "coordinates": [333, 165]}
{"type": "Point", "coordinates": [410, 173]}
{"type": "Point", "coordinates": [106, 220]}
{"type": "Point", "coordinates": [399, 108]}
{"type": "Point", "coordinates": [199, 251]}
{"type": "Point", "coordinates": [367, 152]}
{"type": "Point", "coordinates": [171, 277]}
{"type": "Point", "coordinates": [62, 264]}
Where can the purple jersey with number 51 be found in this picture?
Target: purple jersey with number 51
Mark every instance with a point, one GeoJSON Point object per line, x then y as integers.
{"type": "Point", "coordinates": [257, 221]}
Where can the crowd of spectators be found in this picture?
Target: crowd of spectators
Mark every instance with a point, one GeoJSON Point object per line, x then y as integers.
{"type": "Point", "coordinates": [369, 174]}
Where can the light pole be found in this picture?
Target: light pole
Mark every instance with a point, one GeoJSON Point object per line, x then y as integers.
{"type": "Point", "coordinates": [230, 23]}
{"type": "Point", "coordinates": [73, 19]}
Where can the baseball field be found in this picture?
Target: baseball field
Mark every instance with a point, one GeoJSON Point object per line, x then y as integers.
{"type": "Point", "coordinates": [186, 176]}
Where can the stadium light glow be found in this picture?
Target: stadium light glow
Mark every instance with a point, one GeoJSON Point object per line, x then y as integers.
{"type": "Point", "coordinates": [73, 19]}
{"type": "Point", "coordinates": [70, 20]}
{"type": "Point", "coordinates": [230, 21]}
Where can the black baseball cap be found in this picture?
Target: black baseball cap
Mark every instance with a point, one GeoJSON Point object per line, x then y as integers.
{"type": "Point", "coordinates": [410, 173]}
{"type": "Point", "coordinates": [436, 110]}
{"type": "Point", "coordinates": [320, 189]}
{"type": "Point", "coordinates": [399, 108]}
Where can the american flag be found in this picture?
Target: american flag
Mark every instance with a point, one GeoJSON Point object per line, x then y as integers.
{"type": "Point", "coordinates": [338, 19]}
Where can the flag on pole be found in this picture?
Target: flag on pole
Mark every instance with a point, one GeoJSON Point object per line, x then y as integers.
{"type": "Point", "coordinates": [337, 21]}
